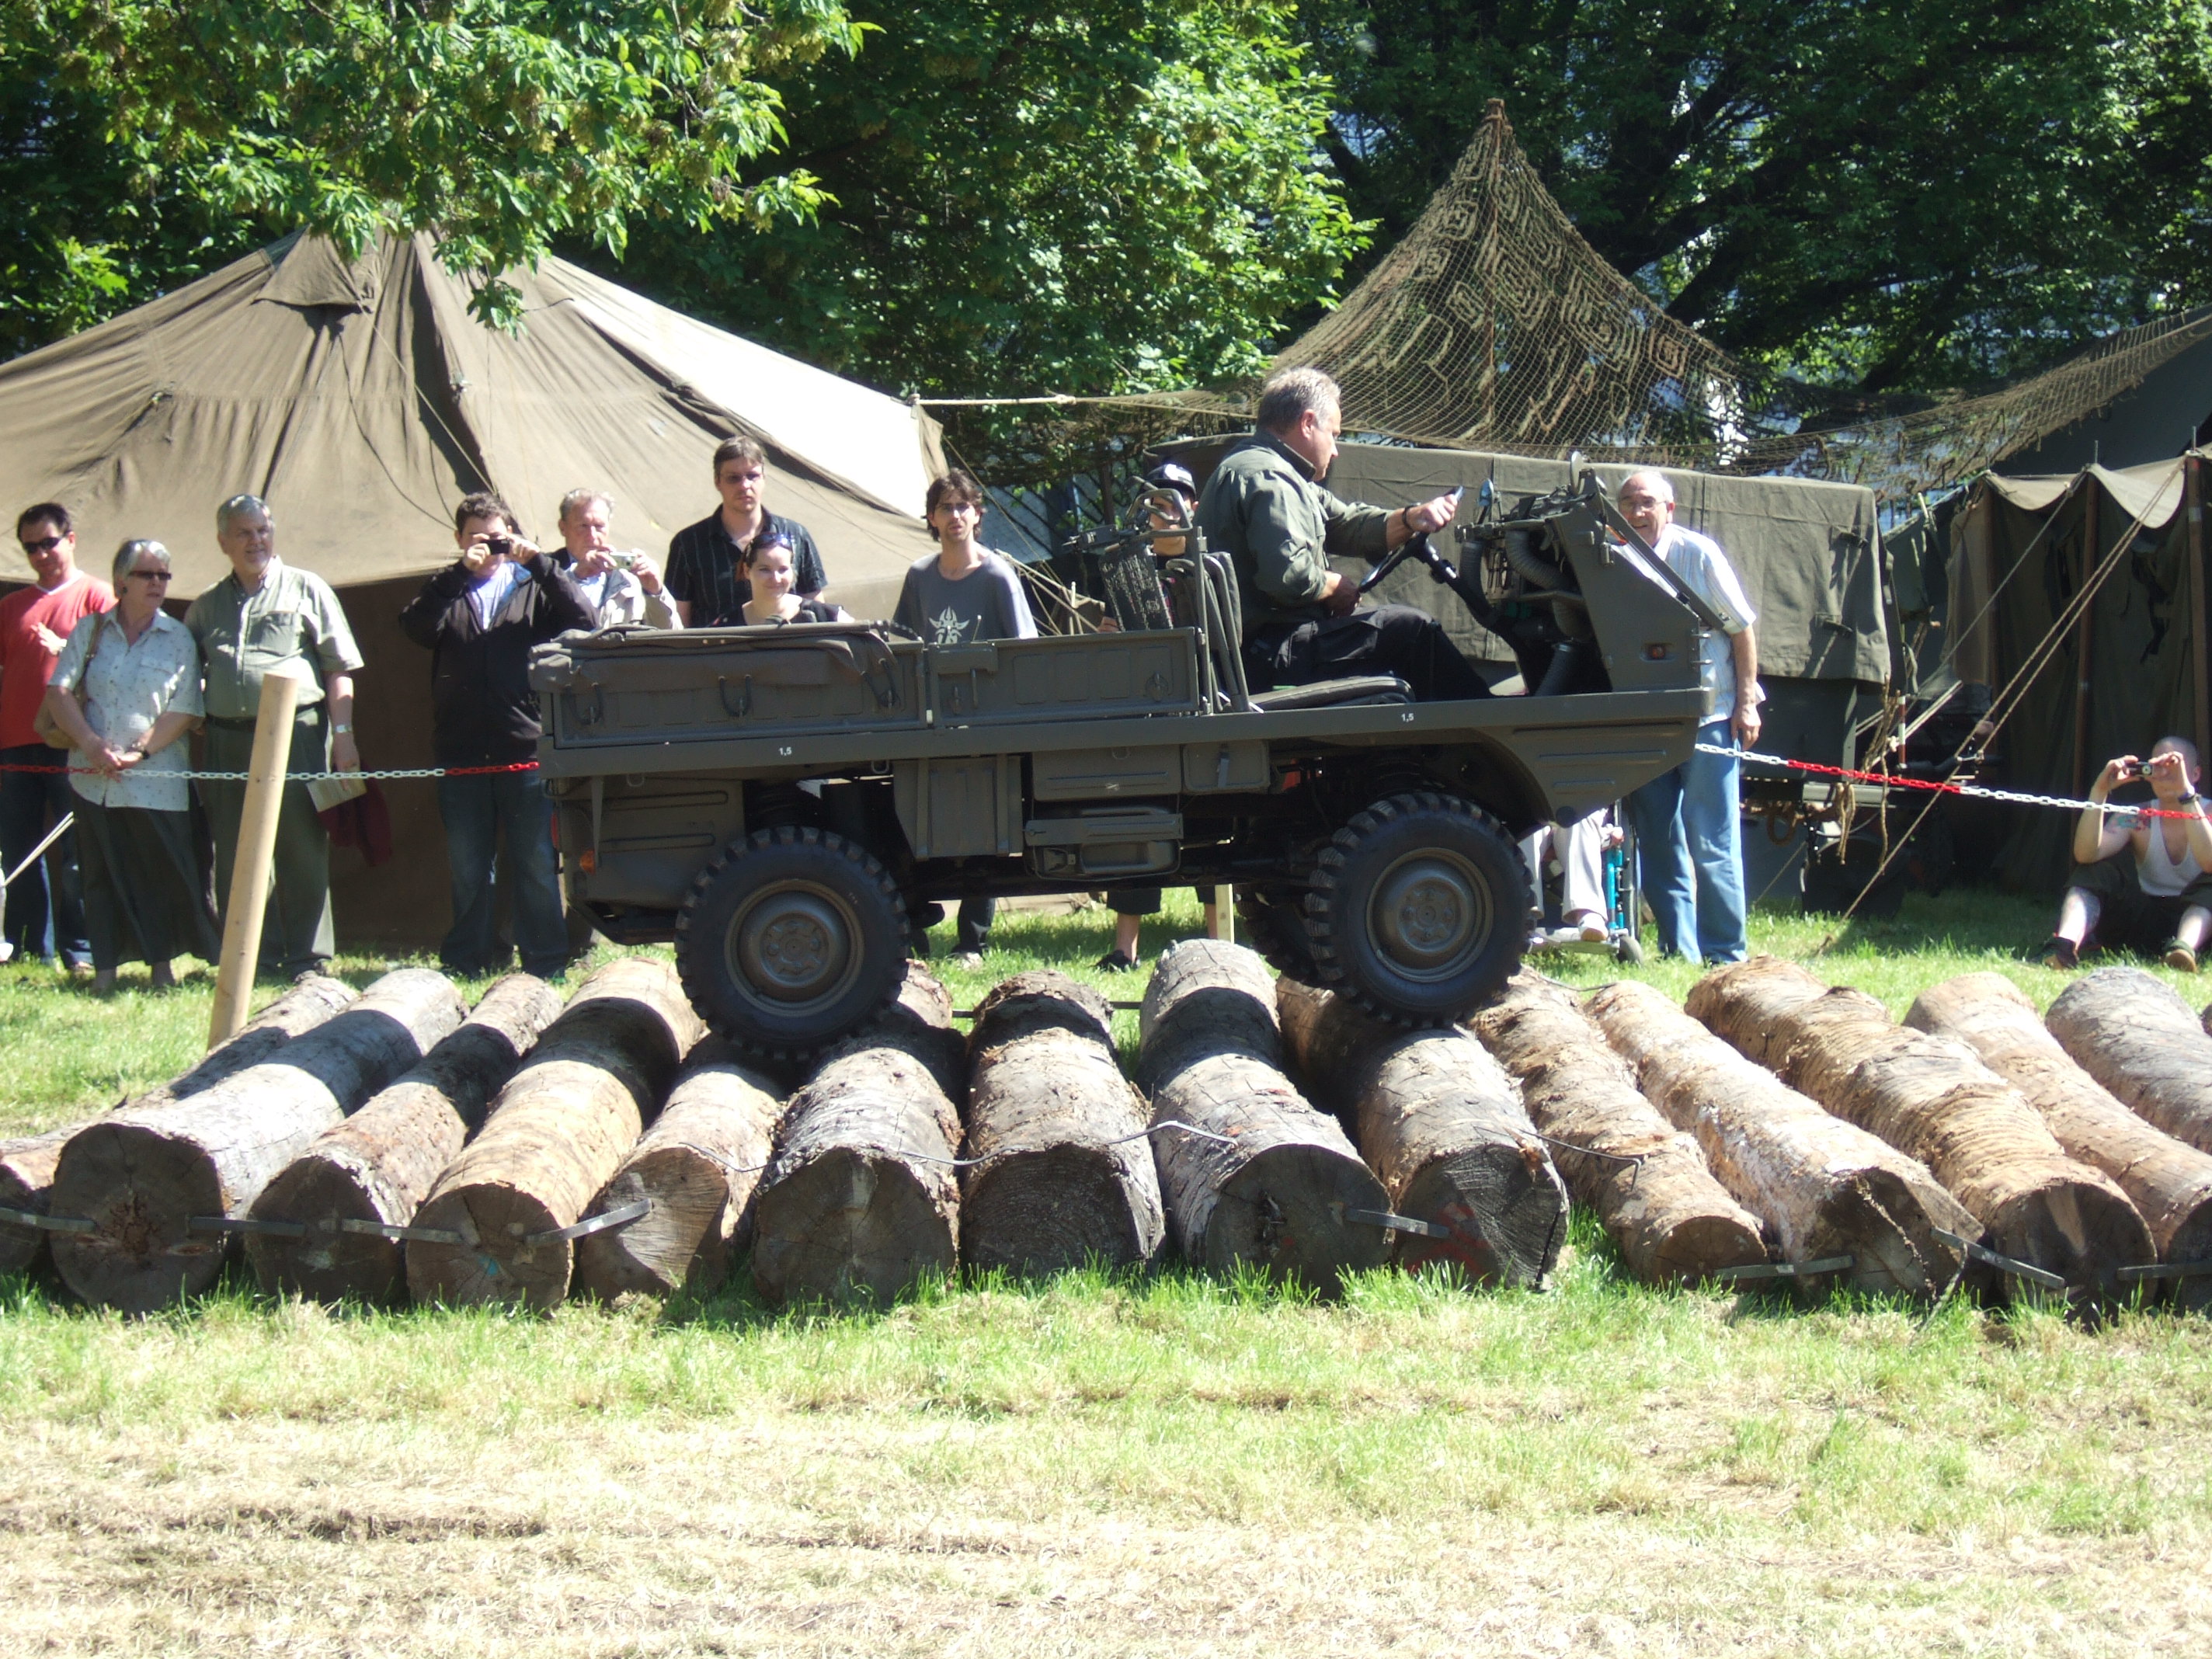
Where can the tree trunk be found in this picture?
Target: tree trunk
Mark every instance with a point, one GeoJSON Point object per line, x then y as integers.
{"type": "Point", "coordinates": [27, 1174]}
{"type": "Point", "coordinates": [144, 1174]}
{"type": "Point", "coordinates": [861, 1201]}
{"type": "Point", "coordinates": [378, 1165]}
{"type": "Point", "coordinates": [1061, 1172]}
{"type": "Point", "coordinates": [1672, 1223]}
{"type": "Point", "coordinates": [1277, 1188]}
{"type": "Point", "coordinates": [561, 1129]}
{"type": "Point", "coordinates": [2169, 1183]}
{"type": "Point", "coordinates": [1444, 1131]}
{"type": "Point", "coordinates": [1933, 1099]}
{"type": "Point", "coordinates": [2134, 1035]}
{"type": "Point", "coordinates": [1824, 1188]}
{"type": "Point", "coordinates": [27, 1166]}
{"type": "Point", "coordinates": [697, 1167]}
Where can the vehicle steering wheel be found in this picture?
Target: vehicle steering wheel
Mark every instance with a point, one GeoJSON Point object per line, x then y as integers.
{"type": "Point", "coordinates": [1396, 556]}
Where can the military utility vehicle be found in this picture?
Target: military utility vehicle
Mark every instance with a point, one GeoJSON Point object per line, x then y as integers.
{"type": "Point", "coordinates": [789, 804]}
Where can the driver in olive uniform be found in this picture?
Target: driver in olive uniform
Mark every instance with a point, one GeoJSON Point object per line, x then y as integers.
{"type": "Point", "coordinates": [1265, 507]}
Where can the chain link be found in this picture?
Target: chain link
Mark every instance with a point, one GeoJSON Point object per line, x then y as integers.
{"type": "Point", "coordinates": [1980, 791]}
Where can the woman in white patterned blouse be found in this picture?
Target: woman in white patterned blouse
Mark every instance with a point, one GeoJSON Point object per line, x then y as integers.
{"type": "Point", "coordinates": [127, 689]}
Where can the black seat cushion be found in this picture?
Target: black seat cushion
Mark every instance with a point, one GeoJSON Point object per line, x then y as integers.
{"type": "Point", "coordinates": [1352, 693]}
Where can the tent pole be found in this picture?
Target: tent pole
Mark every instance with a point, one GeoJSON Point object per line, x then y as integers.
{"type": "Point", "coordinates": [2192, 496]}
{"type": "Point", "coordinates": [2091, 553]}
{"type": "Point", "coordinates": [265, 775]}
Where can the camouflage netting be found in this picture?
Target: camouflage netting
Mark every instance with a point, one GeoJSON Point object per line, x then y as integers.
{"type": "Point", "coordinates": [1494, 325]}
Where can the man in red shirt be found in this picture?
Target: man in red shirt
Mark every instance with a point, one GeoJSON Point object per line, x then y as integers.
{"type": "Point", "coordinates": [35, 625]}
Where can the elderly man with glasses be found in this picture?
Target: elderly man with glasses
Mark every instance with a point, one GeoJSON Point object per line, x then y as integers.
{"type": "Point", "coordinates": [265, 614]}
{"type": "Point", "coordinates": [34, 624]}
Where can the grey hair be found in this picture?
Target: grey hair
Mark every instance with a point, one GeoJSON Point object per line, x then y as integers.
{"type": "Point", "coordinates": [128, 555]}
{"type": "Point", "coordinates": [1657, 482]}
{"type": "Point", "coordinates": [1289, 395]}
{"type": "Point", "coordinates": [238, 504]}
{"type": "Point", "coordinates": [575, 499]}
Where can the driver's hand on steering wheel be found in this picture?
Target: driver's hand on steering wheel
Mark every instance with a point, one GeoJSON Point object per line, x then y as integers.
{"type": "Point", "coordinates": [1341, 596]}
{"type": "Point", "coordinates": [1425, 518]}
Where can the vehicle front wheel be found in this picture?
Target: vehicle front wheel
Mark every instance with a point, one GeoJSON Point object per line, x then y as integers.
{"type": "Point", "coordinates": [1415, 908]}
{"type": "Point", "coordinates": [790, 939]}
{"type": "Point", "coordinates": [1273, 921]}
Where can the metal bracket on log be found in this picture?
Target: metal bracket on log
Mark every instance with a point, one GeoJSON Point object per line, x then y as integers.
{"type": "Point", "coordinates": [1826, 1264]}
{"type": "Point", "coordinates": [245, 1223]}
{"type": "Point", "coordinates": [389, 1229]}
{"type": "Point", "coordinates": [2034, 1275]}
{"type": "Point", "coordinates": [52, 1224]}
{"type": "Point", "coordinates": [2163, 1270]}
{"type": "Point", "coordinates": [598, 1223]}
{"type": "Point", "coordinates": [242, 1223]}
{"type": "Point", "coordinates": [1403, 1223]}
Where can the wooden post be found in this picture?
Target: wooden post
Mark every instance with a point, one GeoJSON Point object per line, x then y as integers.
{"type": "Point", "coordinates": [257, 846]}
{"type": "Point", "coordinates": [1224, 916]}
{"type": "Point", "coordinates": [2089, 553]}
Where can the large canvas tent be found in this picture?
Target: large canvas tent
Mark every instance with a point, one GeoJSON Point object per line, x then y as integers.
{"type": "Point", "coordinates": [362, 401]}
{"type": "Point", "coordinates": [2128, 669]}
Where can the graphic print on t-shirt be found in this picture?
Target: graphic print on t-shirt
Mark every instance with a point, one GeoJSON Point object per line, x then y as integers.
{"type": "Point", "coordinates": [951, 628]}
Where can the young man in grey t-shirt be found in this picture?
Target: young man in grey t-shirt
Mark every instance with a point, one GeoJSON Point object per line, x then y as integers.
{"type": "Point", "coordinates": [962, 594]}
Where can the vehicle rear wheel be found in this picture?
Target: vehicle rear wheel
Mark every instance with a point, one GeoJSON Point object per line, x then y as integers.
{"type": "Point", "coordinates": [1272, 920]}
{"type": "Point", "coordinates": [1415, 907]}
{"type": "Point", "coordinates": [790, 939]}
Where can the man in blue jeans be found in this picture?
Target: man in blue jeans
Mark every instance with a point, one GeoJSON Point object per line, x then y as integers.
{"type": "Point", "coordinates": [478, 618]}
{"type": "Point", "coordinates": [1686, 820]}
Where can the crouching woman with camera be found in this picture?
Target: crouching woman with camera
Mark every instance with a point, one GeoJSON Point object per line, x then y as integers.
{"type": "Point", "coordinates": [2140, 883]}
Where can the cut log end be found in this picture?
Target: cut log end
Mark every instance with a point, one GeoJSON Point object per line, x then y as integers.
{"type": "Point", "coordinates": [1057, 1208]}
{"type": "Point", "coordinates": [1506, 1212]}
{"type": "Point", "coordinates": [1286, 1211]}
{"type": "Point", "coordinates": [140, 1187]}
{"type": "Point", "coordinates": [503, 1265]}
{"type": "Point", "coordinates": [851, 1225]}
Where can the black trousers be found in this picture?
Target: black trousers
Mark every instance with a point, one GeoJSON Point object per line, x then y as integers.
{"type": "Point", "coordinates": [1389, 639]}
{"type": "Point", "coordinates": [2127, 917]}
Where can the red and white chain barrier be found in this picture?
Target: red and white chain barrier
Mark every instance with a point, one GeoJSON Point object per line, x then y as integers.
{"type": "Point", "coordinates": [1978, 791]}
{"type": "Point", "coordinates": [290, 777]}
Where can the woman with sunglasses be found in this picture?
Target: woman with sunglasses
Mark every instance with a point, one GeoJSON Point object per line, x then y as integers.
{"type": "Point", "coordinates": [127, 691]}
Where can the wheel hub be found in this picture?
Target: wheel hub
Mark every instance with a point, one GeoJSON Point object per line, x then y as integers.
{"type": "Point", "coordinates": [1430, 911]}
{"type": "Point", "coordinates": [793, 945]}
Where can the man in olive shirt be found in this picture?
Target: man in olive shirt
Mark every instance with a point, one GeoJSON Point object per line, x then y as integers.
{"type": "Point", "coordinates": [1265, 507]}
{"type": "Point", "coordinates": [261, 615]}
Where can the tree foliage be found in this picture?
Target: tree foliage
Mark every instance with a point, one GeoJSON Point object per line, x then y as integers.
{"type": "Point", "coordinates": [504, 124]}
{"type": "Point", "coordinates": [1033, 197]}
{"type": "Point", "coordinates": [1880, 193]}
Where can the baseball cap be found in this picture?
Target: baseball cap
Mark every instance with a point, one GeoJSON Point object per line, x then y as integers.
{"type": "Point", "coordinates": [1173, 475]}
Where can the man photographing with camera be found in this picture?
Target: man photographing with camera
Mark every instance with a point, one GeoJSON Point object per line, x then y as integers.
{"type": "Point", "coordinates": [478, 618]}
{"type": "Point", "coordinates": [2140, 882]}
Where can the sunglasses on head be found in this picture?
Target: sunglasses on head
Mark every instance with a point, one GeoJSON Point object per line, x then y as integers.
{"type": "Point", "coordinates": [44, 544]}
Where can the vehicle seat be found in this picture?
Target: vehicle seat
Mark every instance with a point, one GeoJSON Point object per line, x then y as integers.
{"type": "Point", "coordinates": [1357, 691]}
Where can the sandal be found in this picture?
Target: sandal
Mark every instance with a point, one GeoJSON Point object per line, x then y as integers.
{"type": "Point", "coordinates": [2179, 957]}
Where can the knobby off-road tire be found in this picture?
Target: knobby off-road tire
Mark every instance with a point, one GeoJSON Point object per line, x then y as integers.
{"type": "Point", "coordinates": [1414, 909]}
{"type": "Point", "coordinates": [1272, 920]}
{"type": "Point", "coordinates": [790, 939]}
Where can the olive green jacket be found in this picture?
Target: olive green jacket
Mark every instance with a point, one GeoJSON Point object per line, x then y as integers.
{"type": "Point", "coordinates": [1263, 508]}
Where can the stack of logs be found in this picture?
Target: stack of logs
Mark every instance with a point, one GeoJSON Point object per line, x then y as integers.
{"type": "Point", "coordinates": [395, 1144]}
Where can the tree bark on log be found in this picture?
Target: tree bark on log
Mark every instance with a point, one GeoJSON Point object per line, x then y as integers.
{"type": "Point", "coordinates": [143, 1174]}
{"type": "Point", "coordinates": [1824, 1188]}
{"type": "Point", "coordinates": [1444, 1129]}
{"type": "Point", "coordinates": [697, 1167]}
{"type": "Point", "coordinates": [1671, 1220]}
{"type": "Point", "coordinates": [1934, 1098]}
{"type": "Point", "coordinates": [379, 1165]}
{"type": "Point", "coordinates": [861, 1201]}
{"type": "Point", "coordinates": [2169, 1182]}
{"type": "Point", "coordinates": [1061, 1172]}
{"type": "Point", "coordinates": [27, 1165]}
{"type": "Point", "coordinates": [559, 1131]}
{"type": "Point", "coordinates": [1277, 1190]}
{"type": "Point", "coordinates": [26, 1175]}
{"type": "Point", "coordinates": [2133, 1035]}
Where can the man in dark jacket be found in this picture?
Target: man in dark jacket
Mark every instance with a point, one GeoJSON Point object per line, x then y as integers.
{"type": "Point", "coordinates": [479, 619]}
{"type": "Point", "coordinates": [1265, 507]}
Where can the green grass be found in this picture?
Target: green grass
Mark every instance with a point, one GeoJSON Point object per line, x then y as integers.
{"type": "Point", "coordinates": [1157, 1462]}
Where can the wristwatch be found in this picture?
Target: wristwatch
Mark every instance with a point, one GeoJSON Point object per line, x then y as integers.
{"type": "Point", "coordinates": [342, 729]}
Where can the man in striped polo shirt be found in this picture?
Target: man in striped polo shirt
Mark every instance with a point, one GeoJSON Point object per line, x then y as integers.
{"type": "Point", "coordinates": [705, 560]}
